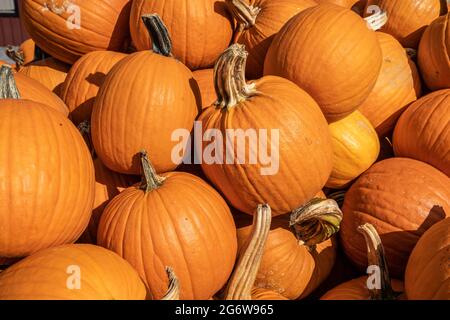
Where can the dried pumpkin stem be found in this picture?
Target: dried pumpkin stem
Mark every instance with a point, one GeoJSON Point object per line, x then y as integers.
{"type": "Point", "coordinates": [412, 53]}
{"type": "Point", "coordinates": [339, 197]}
{"type": "Point", "coordinates": [243, 12]}
{"type": "Point", "coordinates": [316, 221]}
{"type": "Point", "coordinates": [376, 257]}
{"type": "Point", "coordinates": [229, 77]}
{"type": "Point", "coordinates": [8, 87]}
{"type": "Point", "coordinates": [243, 279]}
{"type": "Point", "coordinates": [161, 42]}
{"type": "Point", "coordinates": [173, 293]}
{"type": "Point", "coordinates": [16, 55]}
{"type": "Point", "coordinates": [150, 180]}
{"type": "Point", "coordinates": [85, 130]}
{"type": "Point", "coordinates": [377, 20]}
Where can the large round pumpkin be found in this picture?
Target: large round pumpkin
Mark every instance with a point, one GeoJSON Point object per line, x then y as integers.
{"type": "Point", "coordinates": [433, 55]}
{"type": "Point", "coordinates": [341, 77]}
{"type": "Point", "coordinates": [47, 175]}
{"type": "Point", "coordinates": [428, 274]}
{"type": "Point", "coordinates": [402, 198]}
{"type": "Point", "coordinates": [145, 98]}
{"type": "Point", "coordinates": [84, 80]}
{"type": "Point", "coordinates": [174, 219]}
{"type": "Point", "coordinates": [398, 85]}
{"type": "Point", "coordinates": [67, 30]}
{"type": "Point", "coordinates": [423, 131]}
{"type": "Point", "coordinates": [342, 3]}
{"type": "Point", "coordinates": [72, 272]}
{"type": "Point", "coordinates": [286, 123]}
{"type": "Point", "coordinates": [205, 82]}
{"type": "Point", "coordinates": [200, 29]}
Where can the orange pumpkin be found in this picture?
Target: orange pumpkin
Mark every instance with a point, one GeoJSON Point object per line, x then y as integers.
{"type": "Point", "coordinates": [402, 198]}
{"type": "Point", "coordinates": [398, 85]}
{"type": "Point", "coordinates": [433, 55]}
{"type": "Point", "coordinates": [24, 55]}
{"type": "Point", "coordinates": [67, 30]}
{"type": "Point", "coordinates": [427, 274]}
{"type": "Point", "coordinates": [342, 3]}
{"type": "Point", "coordinates": [258, 23]}
{"type": "Point", "coordinates": [205, 81]}
{"type": "Point", "coordinates": [124, 122]}
{"type": "Point", "coordinates": [200, 29]}
{"type": "Point", "coordinates": [84, 80]}
{"type": "Point", "coordinates": [422, 133]}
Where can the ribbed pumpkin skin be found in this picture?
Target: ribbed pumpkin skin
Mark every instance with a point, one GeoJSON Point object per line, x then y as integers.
{"type": "Point", "coordinates": [402, 198]}
{"type": "Point", "coordinates": [279, 105]}
{"type": "Point", "coordinates": [49, 72]}
{"type": "Point", "coordinates": [184, 224]}
{"type": "Point", "coordinates": [342, 3]}
{"type": "Point", "coordinates": [263, 294]}
{"type": "Point", "coordinates": [272, 17]}
{"type": "Point", "coordinates": [339, 78]}
{"type": "Point", "coordinates": [103, 26]}
{"type": "Point", "coordinates": [84, 81]}
{"type": "Point", "coordinates": [427, 274]}
{"type": "Point", "coordinates": [398, 85]}
{"type": "Point", "coordinates": [205, 81]}
{"type": "Point", "coordinates": [47, 192]}
{"type": "Point", "coordinates": [45, 274]}
{"type": "Point", "coordinates": [200, 30]}
{"type": "Point", "coordinates": [422, 132]}
{"type": "Point", "coordinates": [434, 54]}
{"type": "Point", "coordinates": [355, 148]}
{"type": "Point", "coordinates": [142, 111]}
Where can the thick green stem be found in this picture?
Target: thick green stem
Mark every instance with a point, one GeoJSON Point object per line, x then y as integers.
{"type": "Point", "coordinates": [150, 179]}
{"type": "Point", "coordinates": [243, 12]}
{"type": "Point", "coordinates": [173, 292]}
{"type": "Point", "coordinates": [8, 87]}
{"type": "Point", "coordinates": [161, 42]}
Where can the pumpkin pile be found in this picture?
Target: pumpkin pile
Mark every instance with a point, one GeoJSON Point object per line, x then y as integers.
{"type": "Point", "coordinates": [227, 149]}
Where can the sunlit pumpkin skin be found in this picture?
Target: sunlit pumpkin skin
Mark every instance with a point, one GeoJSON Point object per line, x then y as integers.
{"type": "Point", "coordinates": [341, 77]}
{"type": "Point", "coordinates": [402, 198]}
{"type": "Point", "coordinates": [342, 3]}
{"type": "Point", "coordinates": [49, 72]}
{"type": "Point", "coordinates": [422, 133]}
{"type": "Point", "coordinates": [407, 20]}
{"type": "Point", "coordinates": [355, 149]}
{"type": "Point", "coordinates": [201, 30]}
{"type": "Point", "coordinates": [46, 274]}
{"type": "Point", "coordinates": [205, 81]}
{"type": "Point", "coordinates": [48, 179]}
{"type": "Point", "coordinates": [103, 26]}
{"type": "Point", "coordinates": [427, 274]}
{"type": "Point", "coordinates": [258, 32]}
{"type": "Point", "coordinates": [264, 294]}
{"type": "Point", "coordinates": [398, 85]}
{"type": "Point", "coordinates": [84, 80]}
{"type": "Point", "coordinates": [433, 55]}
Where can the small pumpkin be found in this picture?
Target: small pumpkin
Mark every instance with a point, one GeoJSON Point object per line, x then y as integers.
{"type": "Point", "coordinates": [84, 80]}
{"type": "Point", "coordinates": [355, 148]}
{"type": "Point", "coordinates": [427, 273]}
{"type": "Point", "coordinates": [200, 29]}
{"type": "Point", "coordinates": [258, 23]}
{"type": "Point", "coordinates": [205, 81]}
{"type": "Point", "coordinates": [433, 55]}
{"type": "Point", "coordinates": [402, 198]}
{"type": "Point", "coordinates": [422, 133]}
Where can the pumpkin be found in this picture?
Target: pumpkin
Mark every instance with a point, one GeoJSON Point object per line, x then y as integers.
{"type": "Point", "coordinates": [72, 272]}
{"type": "Point", "coordinates": [355, 149]}
{"type": "Point", "coordinates": [407, 20]}
{"type": "Point", "coordinates": [422, 133]}
{"type": "Point", "coordinates": [433, 56]}
{"type": "Point", "coordinates": [205, 81]}
{"type": "Point", "coordinates": [26, 88]}
{"type": "Point", "coordinates": [200, 29]}
{"type": "Point", "coordinates": [49, 72]}
{"type": "Point", "coordinates": [292, 126]}
{"type": "Point", "coordinates": [84, 80]}
{"type": "Point", "coordinates": [342, 3]}
{"type": "Point", "coordinates": [427, 273]}
{"type": "Point", "coordinates": [175, 219]}
{"type": "Point", "coordinates": [24, 55]}
{"type": "Point", "coordinates": [341, 77]}
{"type": "Point", "coordinates": [166, 101]}
{"type": "Point", "coordinates": [398, 85]}
{"type": "Point", "coordinates": [258, 23]}
{"type": "Point", "coordinates": [402, 198]}
{"type": "Point", "coordinates": [67, 31]}
{"type": "Point", "coordinates": [47, 192]}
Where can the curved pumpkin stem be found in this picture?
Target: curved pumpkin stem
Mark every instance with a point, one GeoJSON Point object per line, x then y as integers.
{"type": "Point", "coordinates": [377, 20]}
{"type": "Point", "coordinates": [339, 197]}
{"type": "Point", "coordinates": [316, 221]}
{"type": "Point", "coordinates": [229, 77]}
{"type": "Point", "coordinates": [161, 42]}
{"type": "Point", "coordinates": [243, 12]}
{"type": "Point", "coordinates": [173, 293]}
{"type": "Point", "coordinates": [8, 87]}
{"type": "Point", "coordinates": [150, 179]}
{"type": "Point", "coordinates": [16, 55]}
{"type": "Point", "coordinates": [376, 257]}
{"type": "Point", "coordinates": [241, 283]}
